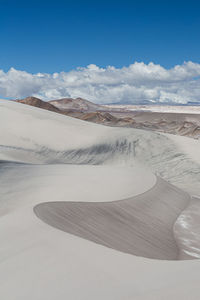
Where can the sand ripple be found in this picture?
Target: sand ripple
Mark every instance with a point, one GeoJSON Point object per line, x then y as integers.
{"type": "Point", "coordinates": [141, 225]}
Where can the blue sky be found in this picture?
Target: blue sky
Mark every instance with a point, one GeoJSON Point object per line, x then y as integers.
{"type": "Point", "coordinates": [56, 49]}
{"type": "Point", "coordinates": [53, 36]}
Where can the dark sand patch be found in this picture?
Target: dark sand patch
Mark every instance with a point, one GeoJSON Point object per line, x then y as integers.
{"type": "Point", "coordinates": [141, 225]}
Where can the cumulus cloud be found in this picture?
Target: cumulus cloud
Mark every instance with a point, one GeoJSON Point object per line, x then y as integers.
{"type": "Point", "coordinates": [136, 83]}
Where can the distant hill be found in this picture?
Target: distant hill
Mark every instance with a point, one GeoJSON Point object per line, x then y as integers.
{"type": "Point", "coordinates": [33, 101]}
{"type": "Point", "coordinates": [180, 123]}
{"type": "Point", "coordinates": [77, 104]}
{"type": "Point", "coordinates": [106, 118]}
{"type": "Point", "coordinates": [99, 117]}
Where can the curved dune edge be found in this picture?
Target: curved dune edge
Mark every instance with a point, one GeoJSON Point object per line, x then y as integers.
{"type": "Point", "coordinates": [187, 231]}
{"type": "Point", "coordinates": [141, 225]}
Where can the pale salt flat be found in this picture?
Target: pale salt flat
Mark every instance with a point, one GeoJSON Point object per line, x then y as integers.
{"type": "Point", "coordinates": [185, 109]}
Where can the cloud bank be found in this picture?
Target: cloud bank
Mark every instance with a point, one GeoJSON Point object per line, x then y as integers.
{"type": "Point", "coordinates": [135, 84]}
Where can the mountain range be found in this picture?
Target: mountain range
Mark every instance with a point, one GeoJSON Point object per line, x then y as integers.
{"type": "Point", "coordinates": [177, 122]}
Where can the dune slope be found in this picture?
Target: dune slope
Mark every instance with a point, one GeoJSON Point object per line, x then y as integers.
{"type": "Point", "coordinates": [97, 184]}
{"type": "Point", "coordinates": [141, 225]}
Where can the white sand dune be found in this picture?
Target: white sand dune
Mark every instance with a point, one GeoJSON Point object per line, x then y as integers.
{"type": "Point", "coordinates": [45, 137]}
{"type": "Point", "coordinates": [61, 159]}
{"type": "Point", "coordinates": [24, 185]}
{"type": "Point", "coordinates": [41, 262]}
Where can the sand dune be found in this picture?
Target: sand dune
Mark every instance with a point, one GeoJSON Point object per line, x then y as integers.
{"type": "Point", "coordinates": [141, 225]}
{"type": "Point", "coordinates": [97, 185]}
{"type": "Point", "coordinates": [67, 140]}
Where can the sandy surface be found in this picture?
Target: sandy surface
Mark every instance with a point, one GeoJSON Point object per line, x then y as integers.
{"type": "Point", "coordinates": [141, 225]}
{"type": "Point", "coordinates": [190, 147]}
{"type": "Point", "coordinates": [64, 140]}
{"type": "Point", "coordinates": [187, 231]}
{"type": "Point", "coordinates": [24, 185]}
{"type": "Point", "coordinates": [79, 162]}
{"type": "Point", "coordinates": [40, 262]}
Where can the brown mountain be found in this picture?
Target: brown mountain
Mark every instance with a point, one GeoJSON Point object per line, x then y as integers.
{"type": "Point", "coordinates": [105, 118]}
{"type": "Point", "coordinates": [174, 123]}
{"type": "Point", "coordinates": [33, 101]}
{"type": "Point", "coordinates": [98, 117]}
{"type": "Point", "coordinates": [77, 104]}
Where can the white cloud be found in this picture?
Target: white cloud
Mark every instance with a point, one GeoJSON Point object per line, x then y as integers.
{"type": "Point", "coordinates": [133, 84]}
